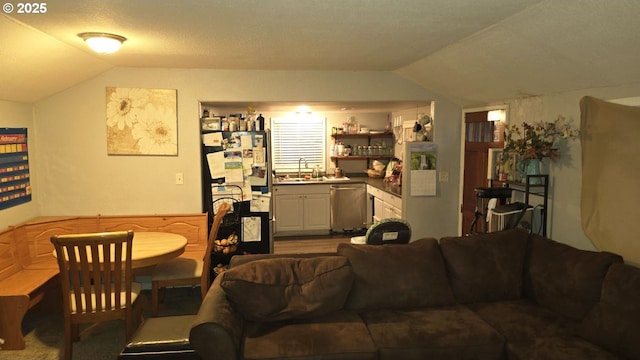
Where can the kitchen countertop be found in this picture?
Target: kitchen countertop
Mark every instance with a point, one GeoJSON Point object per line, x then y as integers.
{"type": "Point", "coordinates": [375, 182]}
{"type": "Point", "coordinates": [379, 183]}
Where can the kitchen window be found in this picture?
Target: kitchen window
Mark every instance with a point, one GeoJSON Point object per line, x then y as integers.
{"type": "Point", "coordinates": [295, 137]}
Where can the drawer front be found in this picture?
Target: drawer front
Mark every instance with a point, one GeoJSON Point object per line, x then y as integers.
{"type": "Point", "coordinates": [301, 189]}
{"type": "Point", "coordinates": [373, 191]}
{"type": "Point", "coordinates": [392, 200]}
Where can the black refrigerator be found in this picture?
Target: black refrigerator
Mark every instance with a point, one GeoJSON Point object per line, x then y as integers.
{"type": "Point", "coordinates": [236, 169]}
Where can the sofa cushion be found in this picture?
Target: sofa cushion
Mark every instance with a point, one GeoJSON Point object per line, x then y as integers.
{"type": "Point", "coordinates": [613, 322]}
{"type": "Point", "coordinates": [563, 278]}
{"type": "Point", "coordinates": [287, 288]}
{"type": "Point", "coordinates": [449, 332]}
{"type": "Point", "coordinates": [397, 276]}
{"type": "Point", "coordinates": [522, 320]}
{"type": "Point", "coordinates": [338, 336]}
{"type": "Point", "coordinates": [558, 348]}
{"type": "Point", "coordinates": [486, 267]}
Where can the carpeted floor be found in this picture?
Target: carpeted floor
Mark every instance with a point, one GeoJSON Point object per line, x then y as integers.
{"type": "Point", "coordinates": [44, 333]}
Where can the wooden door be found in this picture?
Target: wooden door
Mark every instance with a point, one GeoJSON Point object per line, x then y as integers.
{"type": "Point", "coordinates": [479, 138]}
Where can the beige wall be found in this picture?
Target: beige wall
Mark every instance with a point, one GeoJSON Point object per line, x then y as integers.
{"type": "Point", "coordinates": [72, 175]}
{"type": "Point", "coordinates": [566, 174]}
{"type": "Point", "coordinates": [76, 177]}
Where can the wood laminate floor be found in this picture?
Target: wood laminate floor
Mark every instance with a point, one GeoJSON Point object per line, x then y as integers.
{"type": "Point", "coordinates": [308, 244]}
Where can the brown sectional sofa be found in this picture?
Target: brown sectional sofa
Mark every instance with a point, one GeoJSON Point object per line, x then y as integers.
{"type": "Point", "coordinates": [505, 295]}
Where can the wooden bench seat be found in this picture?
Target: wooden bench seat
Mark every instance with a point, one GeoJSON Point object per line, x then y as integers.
{"type": "Point", "coordinates": [29, 271]}
{"type": "Point", "coordinates": [19, 293]}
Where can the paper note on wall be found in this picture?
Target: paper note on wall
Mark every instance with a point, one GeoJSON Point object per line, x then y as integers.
{"type": "Point", "coordinates": [422, 165]}
{"type": "Point", "coordinates": [423, 182]}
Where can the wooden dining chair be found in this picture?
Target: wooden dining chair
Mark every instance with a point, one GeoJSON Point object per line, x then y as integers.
{"type": "Point", "coordinates": [183, 271]}
{"type": "Point", "coordinates": [97, 281]}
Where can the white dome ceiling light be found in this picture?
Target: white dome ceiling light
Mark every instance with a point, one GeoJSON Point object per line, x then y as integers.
{"type": "Point", "coordinates": [103, 43]}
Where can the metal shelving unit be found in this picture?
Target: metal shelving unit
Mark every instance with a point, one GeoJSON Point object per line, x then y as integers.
{"type": "Point", "coordinates": [537, 185]}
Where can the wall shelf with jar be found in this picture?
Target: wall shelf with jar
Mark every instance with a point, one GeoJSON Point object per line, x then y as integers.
{"type": "Point", "coordinates": [363, 146]}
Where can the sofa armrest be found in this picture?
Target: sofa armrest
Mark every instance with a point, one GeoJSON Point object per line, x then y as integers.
{"type": "Point", "coordinates": [217, 329]}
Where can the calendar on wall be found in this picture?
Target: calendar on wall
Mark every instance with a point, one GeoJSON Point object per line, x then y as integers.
{"type": "Point", "coordinates": [15, 187]}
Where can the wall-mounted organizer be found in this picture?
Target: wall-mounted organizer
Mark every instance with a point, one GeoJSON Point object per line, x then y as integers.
{"type": "Point", "coordinates": [15, 185]}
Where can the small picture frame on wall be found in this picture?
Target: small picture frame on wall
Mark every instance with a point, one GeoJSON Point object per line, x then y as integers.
{"type": "Point", "coordinates": [494, 164]}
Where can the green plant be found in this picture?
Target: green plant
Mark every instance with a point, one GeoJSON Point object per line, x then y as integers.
{"type": "Point", "coordinates": [537, 140]}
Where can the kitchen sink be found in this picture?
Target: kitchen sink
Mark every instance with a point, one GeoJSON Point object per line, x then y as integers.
{"type": "Point", "coordinates": [333, 178]}
{"type": "Point", "coordinates": [298, 180]}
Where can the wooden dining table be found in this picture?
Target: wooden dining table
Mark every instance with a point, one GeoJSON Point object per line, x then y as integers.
{"type": "Point", "coordinates": [152, 247]}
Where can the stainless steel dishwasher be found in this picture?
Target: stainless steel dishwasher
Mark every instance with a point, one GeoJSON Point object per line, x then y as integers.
{"type": "Point", "coordinates": [348, 207]}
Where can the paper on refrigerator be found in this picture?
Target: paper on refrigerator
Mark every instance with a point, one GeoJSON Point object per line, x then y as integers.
{"type": "Point", "coordinates": [215, 161]}
{"type": "Point", "coordinates": [251, 229]}
{"type": "Point", "coordinates": [260, 202]}
{"type": "Point", "coordinates": [233, 168]}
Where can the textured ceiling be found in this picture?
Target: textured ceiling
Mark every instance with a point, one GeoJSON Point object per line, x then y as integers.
{"type": "Point", "coordinates": [473, 52]}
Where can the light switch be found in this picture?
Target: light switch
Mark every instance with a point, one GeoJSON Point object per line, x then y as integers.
{"type": "Point", "coordinates": [443, 176]}
{"type": "Point", "coordinates": [179, 179]}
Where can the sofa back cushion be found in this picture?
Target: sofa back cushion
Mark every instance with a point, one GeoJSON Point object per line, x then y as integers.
{"type": "Point", "coordinates": [486, 267]}
{"type": "Point", "coordinates": [288, 288]}
{"type": "Point", "coordinates": [563, 278]}
{"type": "Point", "coordinates": [397, 276]}
{"type": "Point", "coordinates": [613, 322]}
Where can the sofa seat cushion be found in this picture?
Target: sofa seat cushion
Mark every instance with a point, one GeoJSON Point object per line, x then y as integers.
{"type": "Point", "coordinates": [450, 332]}
{"type": "Point", "coordinates": [397, 276]}
{"type": "Point", "coordinates": [486, 267]}
{"type": "Point", "coordinates": [521, 321]}
{"type": "Point", "coordinates": [613, 322]}
{"type": "Point", "coordinates": [558, 348]}
{"type": "Point", "coordinates": [288, 288]}
{"type": "Point", "coordinates": [563, 278]}
{"type": "Point", "coordinates": [338, 336]}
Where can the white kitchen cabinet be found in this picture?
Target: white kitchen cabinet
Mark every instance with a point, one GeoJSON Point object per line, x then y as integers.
{"type": "Point", "coordinates": [385, 205]}
{"type": "Point", "coordinates": [378, 209]}
{"type": "Point", "coordinates": [316, 210]}
{"type": "Point", "coordinates": [302, 208]}
{"type": "Point", "coordinates": [288, 211]}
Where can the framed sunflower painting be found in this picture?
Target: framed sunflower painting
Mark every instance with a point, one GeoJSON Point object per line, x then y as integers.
{"type": "Point", "coordinates": [141, 121]}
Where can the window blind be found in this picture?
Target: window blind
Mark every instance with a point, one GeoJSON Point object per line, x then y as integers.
{"type": "Point", "coordinates": [298, 137]}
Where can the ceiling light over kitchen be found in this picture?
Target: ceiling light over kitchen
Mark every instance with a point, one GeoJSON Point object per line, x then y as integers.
{"type": "Point", "coordinates": [103, 43]}
{"type": "Point", "coordinates": [303, 109]}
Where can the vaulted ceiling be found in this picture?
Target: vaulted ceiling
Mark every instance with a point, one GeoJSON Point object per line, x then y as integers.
{"type": "Point", "coordinates": [474, 52]}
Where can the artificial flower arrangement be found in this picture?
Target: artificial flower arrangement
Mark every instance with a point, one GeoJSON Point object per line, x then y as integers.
{"type": "Point", "coordinates": [526, 146]}
{"type": "Point", "coordinates": [537, 140]}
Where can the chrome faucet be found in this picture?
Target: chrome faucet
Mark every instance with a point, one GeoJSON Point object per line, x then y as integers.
{"type": "Point", "coordinates": [306, 166]}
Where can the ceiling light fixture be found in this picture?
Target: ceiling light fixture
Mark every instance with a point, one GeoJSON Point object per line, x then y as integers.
{"type": "Point", "coordinates": [103, 43]}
